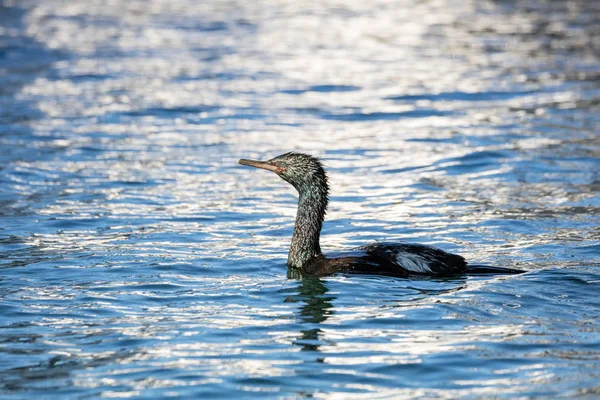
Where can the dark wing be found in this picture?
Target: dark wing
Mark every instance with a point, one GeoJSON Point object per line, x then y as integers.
{"type": "Point", "coordinates": [417, 258]}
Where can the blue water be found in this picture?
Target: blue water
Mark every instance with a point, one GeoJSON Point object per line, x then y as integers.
{"type": "Point", "coordinates": [139, 260]}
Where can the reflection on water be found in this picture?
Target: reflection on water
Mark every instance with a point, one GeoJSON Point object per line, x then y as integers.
{"type": "Point", "coordinates": [316, 308]}
{"type": "Point", "coordinates": [138, 260]}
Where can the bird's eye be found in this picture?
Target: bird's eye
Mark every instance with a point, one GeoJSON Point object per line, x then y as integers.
{"type": "Point", "coordinates": [282, 164]}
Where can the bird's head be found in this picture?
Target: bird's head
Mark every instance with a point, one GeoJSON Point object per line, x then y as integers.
{"type": "Point", "coordinates": [302, 171]}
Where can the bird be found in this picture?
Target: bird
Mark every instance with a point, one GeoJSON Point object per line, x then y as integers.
{"type": "Point", "coordinates": [307, 175]}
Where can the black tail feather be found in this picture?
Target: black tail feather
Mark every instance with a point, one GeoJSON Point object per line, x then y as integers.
{"type": "Point", "coordinates": [480, 269]}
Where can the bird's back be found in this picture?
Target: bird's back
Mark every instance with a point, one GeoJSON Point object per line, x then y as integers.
{"type": "Point", "coordinates": [417, 258]}
{"type": "Point", "coordinates": [396, 259]}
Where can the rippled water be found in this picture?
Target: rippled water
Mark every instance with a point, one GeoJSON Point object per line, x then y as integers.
{"type": "Point", "coordinates": [137, 258]}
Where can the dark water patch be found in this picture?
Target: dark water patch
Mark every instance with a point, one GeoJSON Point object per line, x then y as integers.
{"type": "Point", "coordinates": [369, 116]}
{"type": "Point", "coordinates": [204, 26]}
{"type": "Point", "coordinates": [463, 96]}
{"type": "Point", "coordinates": [169, 112]}
{"type": "Point", "coordinates": [217, 76]}
{"type": "Point", "coordinates": [65, 74]}
{"type": "Point", "coordinates": [322, 89]}
{"type": "Point", "coordinates": [451, 139]}
{"type": "Point", "coordinates": [89, 77]}
{"type": "Point", "coordinates": [590, 250]}
{"type": "Point", "coordinates": [475, 161]}
{"type": "Point", "coordinates": [376, 116]}
{"type": "Point", "coordinates": [404, 170]}
{"type": "Point", "coordinates": [13, 209]}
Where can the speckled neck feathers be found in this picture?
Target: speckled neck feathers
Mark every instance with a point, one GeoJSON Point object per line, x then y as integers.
{"type": "Point", "coordinates": [313, 190]}
{"type": "Point", "coordinates": [312, 206]}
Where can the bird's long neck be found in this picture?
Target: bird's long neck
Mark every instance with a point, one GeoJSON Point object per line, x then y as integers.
{"type": "Point", "coordinates": [309, 220]}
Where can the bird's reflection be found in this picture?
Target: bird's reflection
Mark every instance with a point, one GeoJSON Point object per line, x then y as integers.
{"type": "Point", "coordinates": [316, 308]}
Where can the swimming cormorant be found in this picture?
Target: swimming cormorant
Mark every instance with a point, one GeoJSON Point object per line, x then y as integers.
{"type": "Point", "coordinates": [307, 175]}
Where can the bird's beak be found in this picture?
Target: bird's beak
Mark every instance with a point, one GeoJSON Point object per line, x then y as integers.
{"type": "Point", "coordinates": [260, 164]}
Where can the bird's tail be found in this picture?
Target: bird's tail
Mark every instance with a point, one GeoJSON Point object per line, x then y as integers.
{"type": "Point", "coordinates": [480, 269]}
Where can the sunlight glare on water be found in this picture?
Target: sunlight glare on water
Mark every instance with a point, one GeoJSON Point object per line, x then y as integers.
{"type": "Point", "coordinates": [139, 260]}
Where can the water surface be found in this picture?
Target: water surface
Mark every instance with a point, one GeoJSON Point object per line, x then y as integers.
{"type": "Point", "coordinates": [137, 258]}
